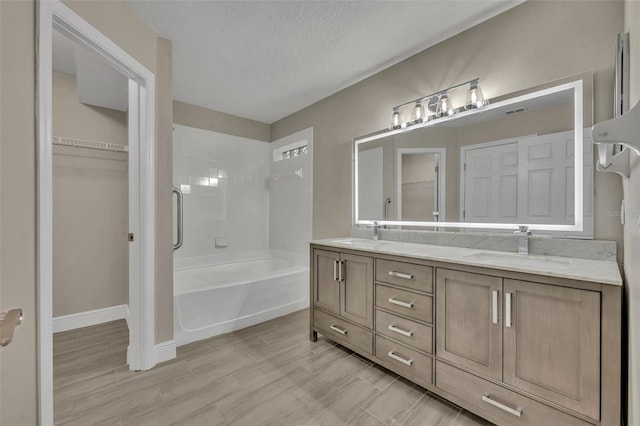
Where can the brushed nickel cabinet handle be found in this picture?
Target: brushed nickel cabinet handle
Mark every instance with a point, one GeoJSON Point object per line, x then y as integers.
{"type": "Point", "coordinates": [401, 275]}
{"type": "Point", "coordinates": [507, 309]}
{"type": "Point", "coordinates": [338, 329]}
{"type": "Point", "coordinates": [400, 331]}
{"type": "Point", "coordinates": [400, 359]}
{"type": "Point", "coordinates": [515, 411]}
{"type": "Point", "coordinates": [408, 305]}
{"type": "Point", "coordinates": [340, 270]}
{"type": "Point", "coordinates": [335, 270]}
{"type": "Point", "coordinates": [494, 306]}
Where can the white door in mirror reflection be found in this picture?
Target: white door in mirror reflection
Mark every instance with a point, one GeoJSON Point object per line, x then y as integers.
{"type": "Point", "coordinates": [525, 180]}
{"type": "Point", "coordinates": [491, 182]}
{"type": "Point", "coordinates": [419, 174]}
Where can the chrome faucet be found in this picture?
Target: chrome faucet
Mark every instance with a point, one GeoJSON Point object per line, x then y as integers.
{"type": "Point", "coordinates": [375, 227]}
{"type": "Point", "coordinates": [523, 234]}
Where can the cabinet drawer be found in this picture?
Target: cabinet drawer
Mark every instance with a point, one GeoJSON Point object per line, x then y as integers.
{"type": "Point", "coordinates": [342, 331]}
{"type": "Point", "coordinates": [417, 277]}
{"type": "Point", "coordinates": [498, 401]}
{"type": "Point", "coordinates": [404, 360]}
{"type": "Point", "coordinates": [418, 306]}
{"type": "Point", "coordinates": [406, 331]}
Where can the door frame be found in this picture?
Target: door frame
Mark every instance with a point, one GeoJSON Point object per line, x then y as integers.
{"type": "Point", "coordinates": [52, 14]}
{"type": "Point", "coordinates": [441, 184]}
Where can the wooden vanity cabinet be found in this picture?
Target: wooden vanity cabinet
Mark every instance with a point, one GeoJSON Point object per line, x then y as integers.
{"type": "Point", "coordinates": [326, 289]}
{"type": "Point", "coordinates": [552, 344]}
{"type": "Point", "coordinates": [514, 348]}
{"type": "Point", "coordinates": [342, 286]}
{"type": "Point", "coordinates": [469, 329]}
{"type": "Point", "coordinates": [541, 339]}
{"type": "Point", "coordinates": [404, 319]}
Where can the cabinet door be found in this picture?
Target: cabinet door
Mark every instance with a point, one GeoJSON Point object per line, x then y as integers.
{"type": "Point", "coordinates": [356, 292]}
{"type": "Point", "coordinates": [326, 293]}
{"type": "Point", "coordinates": [552, 344]}
{"type": "Point", "coordinates": [468, 327]}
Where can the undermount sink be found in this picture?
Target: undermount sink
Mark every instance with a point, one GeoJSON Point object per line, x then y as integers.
{"type": "Point", "coordinates": [517, 258]}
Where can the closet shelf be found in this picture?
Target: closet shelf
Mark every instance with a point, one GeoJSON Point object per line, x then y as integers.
{"type": "Point", "coordinates": [419, 182]}
{"type": "Point", "coordinates": [86, 144]}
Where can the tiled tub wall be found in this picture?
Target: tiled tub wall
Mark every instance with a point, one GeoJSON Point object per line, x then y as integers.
{"type": "Point", "coordinates": [223, 179]}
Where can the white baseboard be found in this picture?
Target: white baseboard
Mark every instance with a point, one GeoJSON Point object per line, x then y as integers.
{"type": "Point", "coordinates": [165, 351]}
{"type": "Point", "coordinates": [89, 318]}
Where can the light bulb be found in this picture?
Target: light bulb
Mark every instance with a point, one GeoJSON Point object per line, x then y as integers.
{"type": "Point", "coordinates": [418, 113]}
{"type": "Point", "coordinates": [444, 106]}
{"type": "Point", "coordinates": [395, 119]}
{"type": "Point", "coordinates": [475, 99]}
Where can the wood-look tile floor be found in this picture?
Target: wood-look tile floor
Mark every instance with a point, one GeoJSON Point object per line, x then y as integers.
{"type": "Point", "coordinates": [269, 374]}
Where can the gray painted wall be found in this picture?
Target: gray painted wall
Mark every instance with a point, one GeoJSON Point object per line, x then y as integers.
{"type": "Point", "coordinates": [531, 44]}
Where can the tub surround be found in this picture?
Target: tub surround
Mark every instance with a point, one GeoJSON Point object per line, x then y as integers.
{"type": "Point", "coordinates": [516, 339]}
{"type": "Point", "coordinates": [590, 270]}
{"type": "Point", "coordinates": [218, 294]}
{"type": "Point", "coordinates": [538, 245]}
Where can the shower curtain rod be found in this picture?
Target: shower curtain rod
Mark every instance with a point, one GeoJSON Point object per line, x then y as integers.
{"type": "Point", "coordinates": [87, 144]}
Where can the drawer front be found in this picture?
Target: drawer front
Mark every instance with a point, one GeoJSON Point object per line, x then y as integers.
{"type": "Point", "coordinates": [417, 277]}
{"type": "Point", "coordinates": [406, 331]}
{"type": "Point", "coordinates": [418, 306]}
{"type": "Point", "coordinates": [503, 403]}
{"type": "Point", "coordinates": [404, 360]}
{"type": "Point", "coordinates": [342, 331]}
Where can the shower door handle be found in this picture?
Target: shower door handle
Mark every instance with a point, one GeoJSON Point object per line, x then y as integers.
{"type": "Point", "coordinates": [179, 219]}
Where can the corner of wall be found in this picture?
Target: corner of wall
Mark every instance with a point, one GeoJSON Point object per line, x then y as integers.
{"type": "Point", "coordinates": [164, 200]}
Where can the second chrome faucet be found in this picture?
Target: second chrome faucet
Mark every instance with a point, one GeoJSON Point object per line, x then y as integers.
{"type": "Point", "coordinates": [523, 234]}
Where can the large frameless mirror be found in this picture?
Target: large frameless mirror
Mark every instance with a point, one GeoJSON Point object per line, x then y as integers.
{"type": "Point", "coordinates": [508, 164]}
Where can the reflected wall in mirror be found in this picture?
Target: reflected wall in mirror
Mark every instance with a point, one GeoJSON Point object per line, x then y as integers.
{"type": "Point", "coordinates": [511, 163]}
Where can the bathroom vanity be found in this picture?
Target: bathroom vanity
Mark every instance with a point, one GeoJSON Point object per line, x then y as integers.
{"type": "Point", "coordinates": [523, 340]}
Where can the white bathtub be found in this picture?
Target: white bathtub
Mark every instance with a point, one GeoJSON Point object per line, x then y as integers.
{"type": "Point", "coordinates": [221, 293]}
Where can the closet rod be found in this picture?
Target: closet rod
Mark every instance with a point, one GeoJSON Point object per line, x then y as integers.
{"type": "Point", "coordinates": [86, 144]}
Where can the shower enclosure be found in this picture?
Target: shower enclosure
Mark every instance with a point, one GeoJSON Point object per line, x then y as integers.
{"type": "Point", "coordinates": [243, 218]}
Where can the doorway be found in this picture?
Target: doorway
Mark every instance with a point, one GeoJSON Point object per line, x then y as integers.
{"type": "Point", "coordinates": [140, 118]}
{"type": "Point", "coordinates": [420, 184]}
{"type": "Point", "coordinates": [90, 215]}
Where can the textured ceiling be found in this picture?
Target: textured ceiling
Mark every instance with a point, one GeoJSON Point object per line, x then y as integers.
{"type": "Point", "coordinates": [267, 59]}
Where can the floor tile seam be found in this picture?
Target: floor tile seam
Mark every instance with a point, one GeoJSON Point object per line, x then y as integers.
{"type": "Point", "coordinates": [320, 372]}
{"type": "Point", "coordinates": [374, 416]}
{"type": "Point", "coordinates": [424, 394]}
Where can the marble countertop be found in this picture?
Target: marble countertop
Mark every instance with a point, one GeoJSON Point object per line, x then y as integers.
{"type": "Point", "coordinates": [597, 271]}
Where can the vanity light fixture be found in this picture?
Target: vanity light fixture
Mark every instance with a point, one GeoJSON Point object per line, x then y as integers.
{"type": "Point", "coordinates": [444, 106]}
{"type": "Point", "coordinates": [475, 99]}
{"type": "Point", "coordinates": [395, 119]}
{"type": "Point", "coordinates": [438, 104]}
{"type": "Point", "coordinates": [418, 113]}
